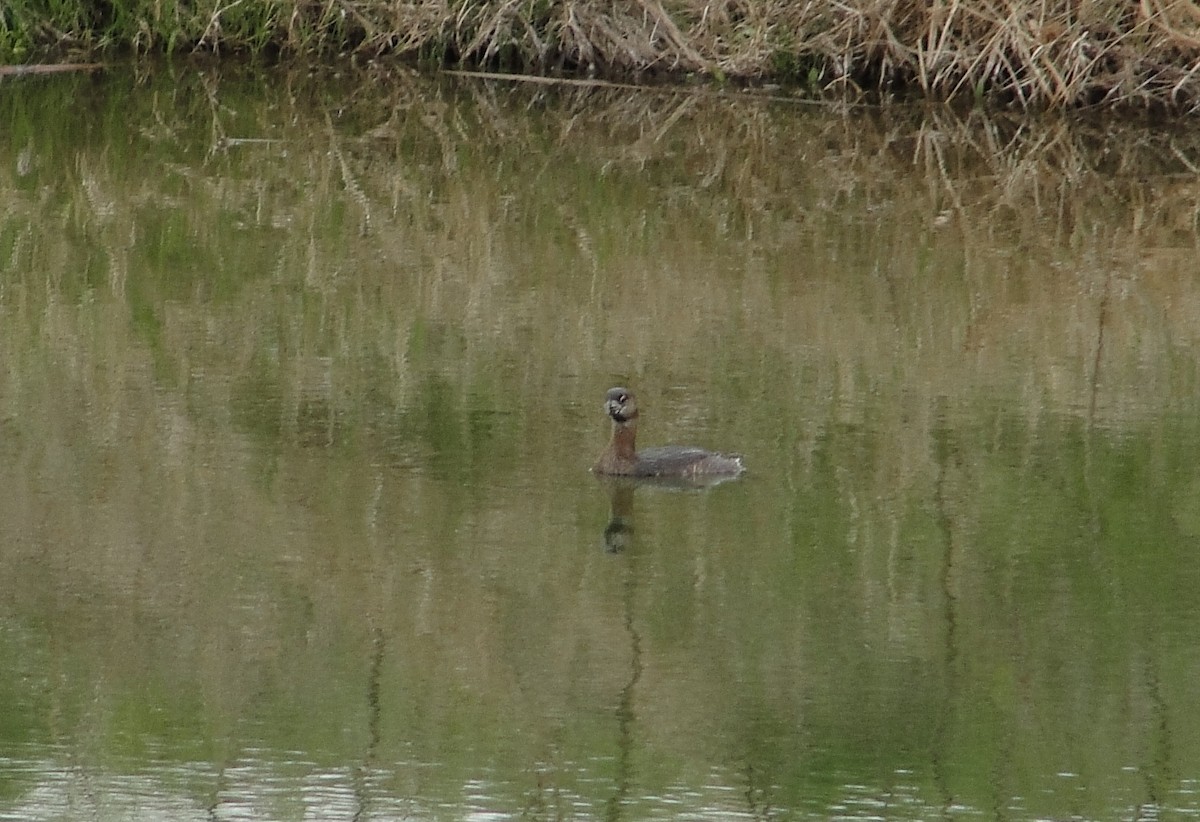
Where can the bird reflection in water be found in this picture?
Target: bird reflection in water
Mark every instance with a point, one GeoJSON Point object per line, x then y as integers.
{"type": "Point", "coordinates": [619, 532]}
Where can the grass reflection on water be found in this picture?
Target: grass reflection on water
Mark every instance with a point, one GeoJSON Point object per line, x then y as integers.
{"type": "Point", "coordinates": [298, 521]}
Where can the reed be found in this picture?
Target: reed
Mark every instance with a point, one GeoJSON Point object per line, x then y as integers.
{"type": "Point", "coordinates": [1029, 53]}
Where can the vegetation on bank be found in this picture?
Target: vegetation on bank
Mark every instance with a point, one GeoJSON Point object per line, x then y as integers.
{"type": "Point", "coordinates": [1033, 53]}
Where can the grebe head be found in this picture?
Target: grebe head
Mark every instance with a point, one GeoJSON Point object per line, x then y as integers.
{"type": "Point", "coordinates": [620, 405]}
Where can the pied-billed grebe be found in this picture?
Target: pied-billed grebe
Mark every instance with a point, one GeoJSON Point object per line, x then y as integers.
{"type": "Point", "coordinates": [621, 457]}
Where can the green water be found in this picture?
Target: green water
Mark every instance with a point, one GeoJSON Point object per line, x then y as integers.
{"type": "Point", "coordinates": [301, 379]}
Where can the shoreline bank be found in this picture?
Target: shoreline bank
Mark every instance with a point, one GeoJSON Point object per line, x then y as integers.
{"type": "Point", "coordinates": [1018, 53]}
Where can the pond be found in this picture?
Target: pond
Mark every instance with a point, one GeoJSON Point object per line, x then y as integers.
{"type": "Point", "coordinates": [303, 376]}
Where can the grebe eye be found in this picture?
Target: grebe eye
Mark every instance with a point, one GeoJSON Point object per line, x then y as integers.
{"type": "Point", "coordinates": [622, 398]}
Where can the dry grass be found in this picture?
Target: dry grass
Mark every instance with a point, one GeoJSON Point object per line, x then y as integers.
{"type": "Point", "coordinates": [1031, 53]}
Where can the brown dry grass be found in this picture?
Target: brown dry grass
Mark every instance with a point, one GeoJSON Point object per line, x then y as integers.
{"type": "Point", "coordinates": [1030, 53]}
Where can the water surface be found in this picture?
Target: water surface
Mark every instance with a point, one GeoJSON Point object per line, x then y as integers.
{"type": "Point", "coordinates": [302, 379]}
